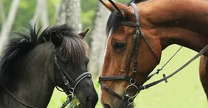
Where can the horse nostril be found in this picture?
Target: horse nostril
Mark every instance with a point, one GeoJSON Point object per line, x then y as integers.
{"type": "Point", "coordinates": [106, 106]}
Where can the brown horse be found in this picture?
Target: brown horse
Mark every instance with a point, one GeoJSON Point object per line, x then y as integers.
{"type": "Point", "coordinates": [203, 72]}
{"type": "Point", "coordinates": [137, 36]}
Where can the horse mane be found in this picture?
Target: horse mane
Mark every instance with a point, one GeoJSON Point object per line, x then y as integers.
{"type": "Point", "coordinates": [115, 19]}
{"type": "Point", "coordinates": [73, 45]}
{"type": "Point", "coordinates": [18, 47]}
{"type": "Point", "coordinates": [138, 1]}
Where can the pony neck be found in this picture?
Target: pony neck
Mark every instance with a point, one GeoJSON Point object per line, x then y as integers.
{"type": "Point", "coordinates": [176, 22]}
{"type": "Point", "coordinates": [33, 84]}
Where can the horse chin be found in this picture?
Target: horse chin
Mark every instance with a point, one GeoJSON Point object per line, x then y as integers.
{"type": "Point", "coordinates": [114, 104]}
{"type": "Point", "coordinates": [123, 104]}
{"type": "Point", "coordinates": [87, 94]}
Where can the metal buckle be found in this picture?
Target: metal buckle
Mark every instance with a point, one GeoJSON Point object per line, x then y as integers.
{"type": "Point", "coordinates": [130, 87]}
{"type": "Point", "coordinates": [131, 105]}
{"type": "Point", "coordinates": [134, 70]}
{"type": "Point", "coordinates": [71, 90]}
{"type": "Point", "coordinates": [132, 81]}
{"type": "Point", "coordinates": [66, 82]}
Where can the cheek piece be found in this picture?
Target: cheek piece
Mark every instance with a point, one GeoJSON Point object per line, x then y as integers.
{"type": "Point", "coordinates": [69, 83]}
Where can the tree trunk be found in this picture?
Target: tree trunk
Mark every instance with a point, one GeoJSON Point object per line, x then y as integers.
{"type": "Point", "coordinates": [2, 12]}
{"type": "Point", "coordinates": [98, 41]}
{"type": "Point", "coordinates": [41, 13]}
{"type": "Point", "coordinates": [7, 26]}
{"type": "Point", "coordinates": [70, 13]}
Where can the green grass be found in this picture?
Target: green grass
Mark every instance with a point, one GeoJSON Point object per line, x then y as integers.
{"type": "Point", "coordinates": [183, 90]}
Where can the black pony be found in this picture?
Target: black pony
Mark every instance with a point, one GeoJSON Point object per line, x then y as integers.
{"type": "Point", "coordinates": [32, 65]}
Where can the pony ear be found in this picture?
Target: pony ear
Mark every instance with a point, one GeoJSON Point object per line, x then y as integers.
{"type": "Point", "coordinates": [56, 39]}
{"type": "Point", "coordinates": [122, 8]}
{"type": "Point", "coordinates": [83, 34]}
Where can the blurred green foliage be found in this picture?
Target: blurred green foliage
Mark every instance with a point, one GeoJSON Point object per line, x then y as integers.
{"type": "Point", "coordinates": [75, 103]}
{"type": "Point", "coordinates": [24, 14]}
{"type": "Point", "coordinates": [27, 8]}
{"type": "Point", "coordinates": [88, 13]}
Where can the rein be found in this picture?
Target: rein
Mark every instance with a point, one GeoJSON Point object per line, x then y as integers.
{"type": "Point", "coordinates": [18, 100]}
{"type": "Point", "coordinates": [134, 52]}
{"type": "Point", "coordinates": [158, 70]}
{"type": "Point", "coordinates": [165, 78]}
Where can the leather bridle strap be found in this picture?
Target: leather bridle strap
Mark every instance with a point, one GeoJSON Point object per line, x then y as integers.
{"type": "Point", "coordinates": [137, 25]}
{"type": "Point", "coordinates": [80, 78]}
{"type": "Point", "coordinates": [132, 24]}
{"type": "Point", "coordinates": [73, 87]}
{"type": "Point", "coordinates": [113, 78]}
{"type": "Point", "coordinates": [69, 82]}
{"type": "Point", "coordinates": [165, 78]}
{"type": "Point", "coordinates": [136, 13]}
{"type": "Point", "coordinates": [67, 79]}
{"type": "Point", "coordinates": [111, 91]}
{"type": "Point", "coordinates": [18, 100]}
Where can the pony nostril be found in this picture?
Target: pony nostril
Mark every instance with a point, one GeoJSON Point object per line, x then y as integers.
{"type": "Point", "coordinates": [89, 100]}
{"type": "Point", "coordinates": [106, 106]}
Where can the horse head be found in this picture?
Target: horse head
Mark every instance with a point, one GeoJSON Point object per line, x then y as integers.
{"type": "Point", "coordinates": [70, 65]}
{"type": "Point", "coordinates": [131, 55]}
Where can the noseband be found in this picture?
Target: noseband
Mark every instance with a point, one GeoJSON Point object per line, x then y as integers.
{"type": "Point", "coordinates": [134, 53]}
{"type": "Point", "coordinates": [68, 81]}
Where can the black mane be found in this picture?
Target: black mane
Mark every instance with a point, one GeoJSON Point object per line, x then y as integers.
{"type": "Point", "coordinates": [114, 18]}
{"type": "Point", "coordinates": [138, 1]}
{"type": "Point", "coordinates": [15, 49]}
{"type": "Point", "coordinates": [113, 22]}
{"type": "Point", "coordinates": [18, 47]}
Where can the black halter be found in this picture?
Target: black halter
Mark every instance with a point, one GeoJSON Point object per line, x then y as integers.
{"type": "Point", "coordinates": [134, 53]}
{"type": "Point", "coordinates": [69, 82]}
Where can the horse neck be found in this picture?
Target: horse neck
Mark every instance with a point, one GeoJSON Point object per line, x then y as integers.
{"type": "Point", "coordinates": [33, 85]}
{"type": "Point", "coordinates": [183, 22]}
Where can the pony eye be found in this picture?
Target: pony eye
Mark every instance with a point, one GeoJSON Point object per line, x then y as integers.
{"type": "Point", "coordinates": [119, 46]}
{"type": "Point", "coordinates": [87, 61]}
{"type": "Point", "coordinates": [65, 62]}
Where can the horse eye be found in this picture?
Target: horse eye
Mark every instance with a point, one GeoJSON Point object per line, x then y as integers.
{"type": "Point", "coordinates": [119, 46]}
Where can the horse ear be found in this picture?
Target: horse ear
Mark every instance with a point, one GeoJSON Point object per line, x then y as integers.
{"type": "Point", "coordinates": [83, 34]}
{"type": "Point", "coordinates": [122, 8]}
{"type": "Point", "coordinates": [107, 5]}
{"type": "Point", "coordinates": [56, 39]}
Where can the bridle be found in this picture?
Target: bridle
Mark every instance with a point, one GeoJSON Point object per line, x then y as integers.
{"type": "Point", "coordinates": [69, 82]}
{"type": "Point", "coordinates": [134, 53]}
